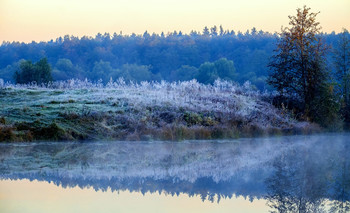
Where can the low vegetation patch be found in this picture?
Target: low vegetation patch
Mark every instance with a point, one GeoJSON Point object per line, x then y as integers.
{"type": "Point", "coordinates": [81, 110]}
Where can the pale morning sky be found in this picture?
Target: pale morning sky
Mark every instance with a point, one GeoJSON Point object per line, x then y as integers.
{"type": "Point", "coordinates": [42, 20]}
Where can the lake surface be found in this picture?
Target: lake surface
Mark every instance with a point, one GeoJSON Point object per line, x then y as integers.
{"type": "Point", "coordinates": [280, 174]}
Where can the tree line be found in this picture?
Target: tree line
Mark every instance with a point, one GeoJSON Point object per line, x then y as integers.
{"type": "Point", "coordinates": [174, 56]}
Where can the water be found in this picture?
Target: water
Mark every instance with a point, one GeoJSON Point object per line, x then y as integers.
{"type": "Point", "coordinates": [281, 174]}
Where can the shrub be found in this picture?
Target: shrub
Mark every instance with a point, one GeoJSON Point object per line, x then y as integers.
{"type": "Point", "coordinates": [6, 134]}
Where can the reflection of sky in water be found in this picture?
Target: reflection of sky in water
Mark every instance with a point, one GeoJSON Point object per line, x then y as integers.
{"type": "Point", "coordinates": [298, 172]}
{"type": "Point", "coordinates": [37, 197]}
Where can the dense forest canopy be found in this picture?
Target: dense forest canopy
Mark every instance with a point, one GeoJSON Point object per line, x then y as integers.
{"type": "Point", "coordinates": [172, 57]}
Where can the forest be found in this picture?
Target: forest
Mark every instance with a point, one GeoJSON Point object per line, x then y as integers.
{"type": "Point", "coordinates": [175, 56]}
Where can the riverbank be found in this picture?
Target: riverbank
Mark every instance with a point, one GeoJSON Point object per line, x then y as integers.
{"type": "Point", "coordinates": [81, 110]}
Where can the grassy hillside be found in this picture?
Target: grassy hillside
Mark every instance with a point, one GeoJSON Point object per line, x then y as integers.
{"type": "Point", "coordinates": [80, 110]}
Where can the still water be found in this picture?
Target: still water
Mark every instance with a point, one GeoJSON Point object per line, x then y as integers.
{"type": "Point", "coordinates": [280, 174]}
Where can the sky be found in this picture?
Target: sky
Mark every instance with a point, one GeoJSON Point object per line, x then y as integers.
{"type": "Point", "coordinates": [43, 20]}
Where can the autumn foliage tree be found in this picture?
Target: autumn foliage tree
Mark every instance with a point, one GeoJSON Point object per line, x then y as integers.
{"type": "Point", "coordinates": [297, 70]}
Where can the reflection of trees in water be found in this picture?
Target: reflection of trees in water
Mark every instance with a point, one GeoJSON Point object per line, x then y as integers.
{"type": "Point", "coordinates": [279, 186]}
{"type": "Point", "coordinates": [295, 174]}
{"type": "Point", "coordinates": [340, 192]}
{"type": "Point", "coordinates": [303, 180]}
{"type": "Point", "coordinates": [211, 171]}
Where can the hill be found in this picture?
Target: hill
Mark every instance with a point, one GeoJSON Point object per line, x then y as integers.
{"type": "Point", "coordinates": [81, 110]}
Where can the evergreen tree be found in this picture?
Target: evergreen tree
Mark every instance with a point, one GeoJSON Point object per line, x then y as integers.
{"type": "Point", "coordinates": [214, 31]}
{"type": "Point", "coordinates": [206, 31]}
{"type": "Point", "coordinates": [342, 64]}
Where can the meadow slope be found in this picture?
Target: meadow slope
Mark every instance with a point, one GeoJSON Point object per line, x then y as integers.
{"type": "Point", "coordinates": [81, 110]}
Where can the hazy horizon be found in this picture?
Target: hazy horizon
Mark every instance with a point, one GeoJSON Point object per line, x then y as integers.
{"type": "Point", "coordinates": [39, 20]}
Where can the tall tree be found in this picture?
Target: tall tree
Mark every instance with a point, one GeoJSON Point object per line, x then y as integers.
{"type": "Point", "coordinates": [342, 64]}
{"type": "Point", "coordinates": [222, 68]}
{"type": "Point", "coordinates": [206, 31]}
{"type": "Point", "coordinates": [214, 31]}
{"type": "Point", "coordinates": [297, 68]}
{"type": "Point", "coordinates": [28, 72]}
{"type": "Point", "coordinates": [42, 71]}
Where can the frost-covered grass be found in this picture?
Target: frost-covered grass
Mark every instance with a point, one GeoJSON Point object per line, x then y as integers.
{"type": "Point", "coordinates": [129, 111]}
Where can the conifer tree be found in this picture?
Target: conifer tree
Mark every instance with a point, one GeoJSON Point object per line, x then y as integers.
{"type": "Point", "coordinates": [342, 65]}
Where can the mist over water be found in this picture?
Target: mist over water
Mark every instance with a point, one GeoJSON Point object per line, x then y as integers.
{"type": "Point", "coordinates": [293, 174]}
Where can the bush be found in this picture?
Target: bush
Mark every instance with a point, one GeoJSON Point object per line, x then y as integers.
{"type": "Point", "coordinates": [6, 134]}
